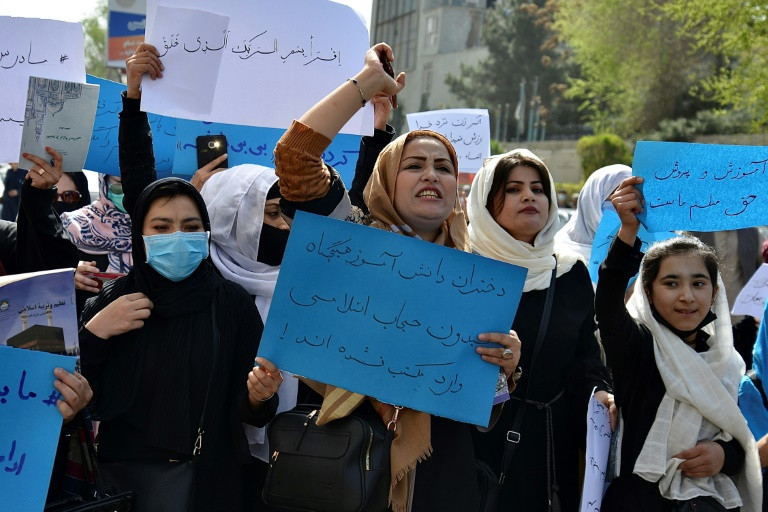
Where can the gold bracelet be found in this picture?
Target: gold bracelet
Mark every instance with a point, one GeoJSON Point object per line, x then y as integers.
{"type": "Point", "coordinates": [362, 97]}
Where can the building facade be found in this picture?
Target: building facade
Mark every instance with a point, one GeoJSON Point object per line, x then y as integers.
{"type": "Point", "coordinates": [430, 39]}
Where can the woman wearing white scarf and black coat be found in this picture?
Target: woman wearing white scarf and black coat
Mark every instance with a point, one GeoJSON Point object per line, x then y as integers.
{"type": "Point", "coordinates": [513, 218]}
{"type": "Point", "coordinates": [676, 375]}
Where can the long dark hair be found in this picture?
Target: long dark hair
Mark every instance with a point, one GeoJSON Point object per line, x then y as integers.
{"type": "Point", "coordinates": [494, 203]}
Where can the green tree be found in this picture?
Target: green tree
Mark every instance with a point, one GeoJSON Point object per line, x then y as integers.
{"type": "Point", "coordinates": [638, 64]}
{"type": "Point", "coordinates": [738, 33]}
{"type": "Point", "coordinates": [95, 29]}
{"type": "Point", "coordinates": [521, 45]}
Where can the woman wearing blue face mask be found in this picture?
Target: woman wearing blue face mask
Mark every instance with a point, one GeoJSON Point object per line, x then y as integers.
{"type": "Point", "coordinates": [147, 347]}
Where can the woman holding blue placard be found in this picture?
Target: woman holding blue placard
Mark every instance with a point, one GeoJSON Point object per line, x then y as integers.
{"type": "Point", "coordinates": [513, 218]}
{"type": "Point", "coordinates": [413, 191]}
{"type": "Point", "coordinates": [684, 443]}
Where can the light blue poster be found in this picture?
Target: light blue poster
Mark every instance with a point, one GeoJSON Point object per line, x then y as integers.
{"type": "Point", "coordinates": [30, 424]}
{"type": "Point", "coordinates": [702, 187]}
{"type": "Point", "coordinates": [606, 232]}
{"type": "Point", "coordinates": [390, 316]}
{"type": "Point", "coordinates": [103, 152]}
{"type": "Point", "coordinates": [255, 145]}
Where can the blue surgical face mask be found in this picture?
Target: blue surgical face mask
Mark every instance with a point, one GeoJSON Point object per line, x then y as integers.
{"type": "Point", "coordinates": [117, 199]}
{"type": "Point", "coordinates": [177, 255]}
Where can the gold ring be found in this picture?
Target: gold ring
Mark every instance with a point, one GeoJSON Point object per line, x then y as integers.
{"type": "Point", "coordinates": [507, 354]}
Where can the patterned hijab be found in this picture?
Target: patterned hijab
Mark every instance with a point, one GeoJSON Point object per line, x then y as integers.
{"type": "Point", "coordinates": [100, 228]}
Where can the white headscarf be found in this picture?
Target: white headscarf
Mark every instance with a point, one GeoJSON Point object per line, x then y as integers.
{"type": "Point", "coordinates": [241, 193]}
{"type": "Point", "coordinates": [699, 404]}
{"type": "Point", "coordinates": [579, 232]}
{"type": "Point", "coordinates": [489, 239]}
{"type": "Point", "coordinates": [235, 199]}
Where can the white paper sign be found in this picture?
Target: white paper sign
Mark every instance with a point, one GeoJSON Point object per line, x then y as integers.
{"type": "Point", "coordinates": [751, 299]}
{"type": "Point", "coordinates": [33, 47]}
{"type": "Point", "coordinates": [598, 448]}
{"type": "Point", "coordinates": [277, 59]}
{"type": "Point", "coordinates": [59, 115]}
{"type": "Point", "coordinates": [468, 129]}
{"type": "Point", "coordinates": [190, 76]}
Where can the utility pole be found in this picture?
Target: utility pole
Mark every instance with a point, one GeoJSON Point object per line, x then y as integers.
{"type": "Point", "coordinates": [520, 111]}
{"type": "Point", "coordinates": [497, 132]}
{"type": "Point", "coordinates": [506, 122]}
{"type": "Point", "coordinates": [533, 106]}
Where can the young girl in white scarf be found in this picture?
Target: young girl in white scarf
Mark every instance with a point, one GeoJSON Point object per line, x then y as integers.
{"type": "Point", "coordinates": [684, 443]}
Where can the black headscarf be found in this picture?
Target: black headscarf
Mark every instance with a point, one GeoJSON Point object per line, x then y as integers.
{"type": "Point", "coordinates": [171, 298]}
{"type": "Point", "coordinates": [157, 374]}
{"type": "Point", "coordinates": [81, 183]}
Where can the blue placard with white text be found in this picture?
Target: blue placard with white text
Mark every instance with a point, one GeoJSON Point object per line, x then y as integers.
{"type": "Point", "coordinates": [255, 145]}
{"type": "Point", "coordinates": [702, 187]}
{"type": "Point", "coordinates": [390, 316]}
{"type": "Point", "coordinates": [30, 424]}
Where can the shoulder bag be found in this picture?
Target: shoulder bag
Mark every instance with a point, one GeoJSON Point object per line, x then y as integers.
{"type": "Point", "coordinates": [489, 485]}
{"type": "Point", "coordinates": [342, 466]}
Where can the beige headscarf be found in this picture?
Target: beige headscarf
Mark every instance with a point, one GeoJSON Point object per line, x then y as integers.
{"type": "Point", "coordinates": [380, 193]}
{"type": "Point", "coordinates": [489, 239]}
{"type": "Point", "coordinates": [412, 442]}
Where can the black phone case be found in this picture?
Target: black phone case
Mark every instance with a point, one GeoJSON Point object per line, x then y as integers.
{"type": "Point", "coordinates": [210, 147]}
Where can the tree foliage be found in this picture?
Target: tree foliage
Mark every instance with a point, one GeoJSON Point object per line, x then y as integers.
{"type": "Point", "coordinates": [95, 31]}
{"type": "Point", "coordinates": [738, 32]}
{"type": "Point", "coordinates": [521, 45]}
{"type": "Point", "coordinates": [638, 64]}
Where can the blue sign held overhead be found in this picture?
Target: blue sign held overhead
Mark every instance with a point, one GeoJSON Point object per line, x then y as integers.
{"type": "Point", "coordinates": [103, 151]}
{"type": "Point", "coordinates": [702, 187]}
{"type": "Point", "coordinates": [255, 145]}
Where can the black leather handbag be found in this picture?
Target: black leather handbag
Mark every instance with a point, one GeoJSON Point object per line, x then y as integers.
{"type": "Point", "coordinates": [342, 466]}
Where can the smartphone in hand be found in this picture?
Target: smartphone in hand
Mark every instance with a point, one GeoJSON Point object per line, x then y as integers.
{"type": "Point", "coordinates": [102, 277]}
{"type": "Point", "coordinates": [391, 72]}
{"type": "Point", "coordinates": [209, 148]}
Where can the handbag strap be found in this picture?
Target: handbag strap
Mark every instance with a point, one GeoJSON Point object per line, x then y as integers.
{"type": "Point", "coordinates": [198, 448]}
{"type": "Point", "coordinates": [513, 435]}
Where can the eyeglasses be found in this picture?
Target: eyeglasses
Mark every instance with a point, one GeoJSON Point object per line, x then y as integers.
{"type": "Point", "coordinates": [116, 188]}
{"type": "Point", "coordinates": [68, 196]}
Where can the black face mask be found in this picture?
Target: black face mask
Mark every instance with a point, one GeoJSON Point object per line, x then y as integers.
{"type": "Point", "coordinates": [272, 244]}
{"type": "Point", "coordinates": [61, 207]}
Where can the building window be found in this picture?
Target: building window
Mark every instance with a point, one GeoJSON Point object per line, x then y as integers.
{"type": "Point", "coordinates": [427, 81]}
{"type": "Point", "coordinates": [430, 38]}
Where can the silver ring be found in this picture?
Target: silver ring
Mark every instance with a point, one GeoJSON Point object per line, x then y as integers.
{"type": "Point", "coordinates": [507, 354]}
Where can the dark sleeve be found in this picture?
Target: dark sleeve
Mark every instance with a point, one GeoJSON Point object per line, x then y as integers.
{"type": "Point", "coordinates": [95, 351]}
{"type": "Point", "coordinates": [620, 334]}
{"type": "Point", "coordinates": [41, 242]}
{"type": "Point", "coordinates": [137, 157]}
{"type": "Point", "coordinates": [370, 147]}
{"type": "Point", "coordinates": [8, 246]}
{"type": "Point", "coordinates": [588, 372]}
{"type": "Point", "coordinates": [734, 457]}
{"type": "Point", "coordinates": [242, 312]}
